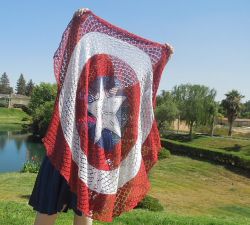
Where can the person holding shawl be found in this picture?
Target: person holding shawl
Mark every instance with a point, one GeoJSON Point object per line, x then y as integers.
{"type": "Point", "coordinates": [102, 139]}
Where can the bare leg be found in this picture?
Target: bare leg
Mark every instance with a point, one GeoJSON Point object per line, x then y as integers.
{"type": "Point", "coordinates": [45, 219]}
{"type": "Point", "coordinates": [82, 220]}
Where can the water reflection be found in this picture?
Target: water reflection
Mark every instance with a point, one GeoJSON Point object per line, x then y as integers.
{"type": "Point", "coordinates": [16, 147]}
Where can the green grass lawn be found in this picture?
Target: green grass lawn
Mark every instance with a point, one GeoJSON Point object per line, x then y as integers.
{"type": "Point", "coordinates": [192, 192]}
{"type": "Point", "coordinates": [11, 116]}
{"type": "Point", "coordinates": [239, 146]}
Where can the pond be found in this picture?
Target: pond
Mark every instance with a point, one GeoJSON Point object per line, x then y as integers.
{"type": "Point", "coordinates": [17, 147]}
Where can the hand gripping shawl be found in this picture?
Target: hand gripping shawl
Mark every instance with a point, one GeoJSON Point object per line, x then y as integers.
{"type": "Point", "coordinates": [103, 137]}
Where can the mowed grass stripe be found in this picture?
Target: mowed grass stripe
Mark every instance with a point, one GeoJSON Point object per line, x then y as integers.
{"type": "Point", "coordinates": [191, 187]}
{"type": "Point", "coordinates": [191, 191]}
{"type": "Point", "coordinates": [11, 115]}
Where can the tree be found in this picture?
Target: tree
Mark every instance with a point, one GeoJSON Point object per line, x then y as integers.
{"type": "Point", "coordinates": [179, 95]}
{"type": "Point", "coordinates": [166, 110]}
{"type": "Point", "coordinates": [29, 88]}
{"type": "Point", "coordinates": [41, 107]}
{"type": "Point", "coordinates": [212, 108]}
{"type": "Point", "coordinates": [232, 105]}
{"type": "Point", "coordinates": [44, 92]}
{"type": "Point", "coordinates": [196, 104]}
{"type": "Point", "coordinates": [41, 118]}
{"type": "Point", "coordinates": [21, 85]}
{"type": "Point", "coordinates": [5, 84]}
{"type": "Point", "coordinates": [246, 110]}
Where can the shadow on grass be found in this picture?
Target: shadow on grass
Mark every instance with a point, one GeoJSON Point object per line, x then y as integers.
{"type": "Point", "coordinates": [235, 148]}
{"type": "Point", "coordinates": [181, 137]}
{"type": "Point", "coordinates": [24, 196]}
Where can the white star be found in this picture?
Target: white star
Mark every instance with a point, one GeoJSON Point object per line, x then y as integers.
{"type": "Point", "coordinates": [105, 109]}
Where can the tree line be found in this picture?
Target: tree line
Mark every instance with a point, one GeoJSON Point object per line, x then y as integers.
{"type": "Point", "coordinates": [22, 86]}
{"type": "Point", "coordinates": [196, 105]}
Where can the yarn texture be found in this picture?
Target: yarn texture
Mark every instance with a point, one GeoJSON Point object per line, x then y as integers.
{"type": "Point", "coordinates": [103, 136]}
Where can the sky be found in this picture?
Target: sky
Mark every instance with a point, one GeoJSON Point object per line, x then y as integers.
{"type": "Point", "coordinates": [211, 38]}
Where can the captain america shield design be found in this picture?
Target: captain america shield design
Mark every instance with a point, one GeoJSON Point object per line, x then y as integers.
{"type": "Point", "coordinates": [103, 137]}
{"type": "Point", "coordinates": [116, 99]}
{"type": "Point", "coordinates": [112, 114]}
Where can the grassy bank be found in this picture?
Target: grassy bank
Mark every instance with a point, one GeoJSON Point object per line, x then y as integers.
{"type": "Point", "coordinates": [235, 146]}
{"type": "Point", "coordinates": [192, 192]}
{"type": "Point", "coordinates": [24, 215]}
{"type": "Point", "coordinates": [191, 187]}
{"type": "Point", "coordinates": [12, 116]}
{"type": "Point", "coordinates": [238, 146]}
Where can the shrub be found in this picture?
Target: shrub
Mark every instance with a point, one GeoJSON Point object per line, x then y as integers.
{"type": "Point", "coordinates": [211, 154]}
{"type": "Point", "coordinates": [151, 204]}
{"type": "Point", "coordinates": [26, 109]}
{"type": "Point", "coordinates": [31, 166]}
{"type": "Point", "coordinates": [41, 118]}
{"type": "Point", "coordinates": [25, 118]}
{"type": "Point", "coordinates": [3, 104]}
{"type": "Point", "coordinates": [17, 105]}
{"type": "Point", "coordinates": [163, 154]}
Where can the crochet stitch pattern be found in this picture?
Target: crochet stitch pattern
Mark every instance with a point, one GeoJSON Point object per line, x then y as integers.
{"type": "Point", "coordinates": [103, 137]}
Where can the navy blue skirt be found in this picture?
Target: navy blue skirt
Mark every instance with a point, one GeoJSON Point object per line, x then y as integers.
{"type": "Point", "coordinates": [51, 191]}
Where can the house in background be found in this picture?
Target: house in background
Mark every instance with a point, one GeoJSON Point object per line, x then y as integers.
{"type": "Point", "coordinates": [13, 100]}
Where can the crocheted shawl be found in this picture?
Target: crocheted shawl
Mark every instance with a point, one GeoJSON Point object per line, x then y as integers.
{"type": "Point", "coordinates": [103, 137]}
